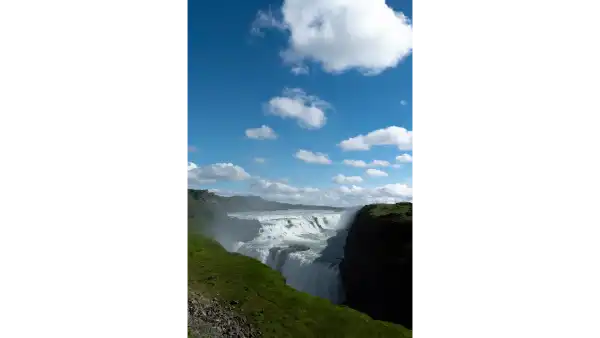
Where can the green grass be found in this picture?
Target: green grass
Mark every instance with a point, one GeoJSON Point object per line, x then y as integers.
{"type": "Point", "coordinates": [274, 308]}
{"type": "Point", "coordinates": [400, 210]}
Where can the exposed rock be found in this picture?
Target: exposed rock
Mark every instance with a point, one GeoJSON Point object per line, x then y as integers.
{"type": "Point", "coordinates": [317, 223]}
{"type": "Point", "coordinates": [279, 255]}
{"type": "Point", "coordinates": [210, 318]}
{"type": "Point", "coordinates": [377, 267]}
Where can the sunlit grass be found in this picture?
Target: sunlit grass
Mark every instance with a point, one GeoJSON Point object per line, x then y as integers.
{"type": "Point", "coordinates": [276, 309]}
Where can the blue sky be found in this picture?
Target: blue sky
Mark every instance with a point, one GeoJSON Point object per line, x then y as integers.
{"type": "Point", "coordinates": [315, 73]}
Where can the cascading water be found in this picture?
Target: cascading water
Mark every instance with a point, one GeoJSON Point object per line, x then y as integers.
{"type": "Point", "coordinates": [305, 246]}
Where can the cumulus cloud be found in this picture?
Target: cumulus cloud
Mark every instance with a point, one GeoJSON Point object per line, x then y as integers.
{"type": "Point", "coordinates": [262, 133]}
{"type": "Point", "coordinates": [389, 193]}
{"type": "Point", "coordinates": [396, 136]}
{"type": "Point", "coordinates": [395, 189]}
{"type": "Point", "coordinates": [259, 160]}
{"type": "Point", "coordinates": [376, 173]}
{"type": "Point", "coordinates": [272, 187]}
{"type": "Point", "coordinates": [363, 164]}
{"type": "Point", "coordinates": [294, 103]}
{"type": "Point", "coordinates": [355, 163]}
{"type": "Point", "coordinates": [215, 172]}
{"type": "Point", "coordinates": [344, 195]}
{"type": "Point", "coordinates": [341, 179]}
{"type": "Point", "coordinates": [366, 35]}
{"type": "Point", "coordinates": [404, 158]}
{"type": "Point", "coordinates": [310, 157]}
{"type": "Point", "coordinates": [380, 163]}
{"type": "Point", "coordinates": [351, 190]}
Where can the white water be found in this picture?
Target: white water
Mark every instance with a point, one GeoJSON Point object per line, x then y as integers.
{"type": "Point", "coordinates": [306, 246]}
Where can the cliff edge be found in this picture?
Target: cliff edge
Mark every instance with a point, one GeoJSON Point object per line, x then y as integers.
{"type": "Point", "coordinates": [377, 267]}
{"type": "Point", "coordinates": [231, 295]}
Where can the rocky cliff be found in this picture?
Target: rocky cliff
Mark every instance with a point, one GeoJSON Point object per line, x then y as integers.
{"type": "Point", "coordinates": [377, 267]}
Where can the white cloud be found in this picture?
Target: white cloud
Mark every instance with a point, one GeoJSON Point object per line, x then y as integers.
{"type": "Point", "coordinates": [266, 20]}
{"type": "Point", "coordinates": [269, 187]}
{"type": "Point", "coordinates": [339, 196]}
{"type": "Point", "coordinates": [380, 163]}
{"type": "Point", "coordinates": [341, 179]}
{"type": "Point", "coordinates": [404, 158]}
{"type": "Point", "coordinates": [310, 157]}
{"type": "Point", "coordinates": [295, 103]}
{"type": "Point", "coordinates": [259, 160]}
{"type": "Point", "coordinates": [215, 172]}
{"type": "Point", "coordinates": [366, 35]}
{"type": "Point", "coordinates": [389, 193]}
{"type": "Point", "coordinates": [299, 70]}
{"type": "Point", "coordinates": [396, 166]}
{"type": "Point", "coordinates": [363, 164]}
{"type": "Point", "coordinates": [397, 136]}
{"type": "Point", "coordinates": [262, 133]}
{"type": "Point", "coordinates": [351, 190]}
{"type": "Point", "coordinates": [394, 190]}
{"type": "Point", "coordinates": [356, 163]}
{"type": "Point", "coordinates": [376, 173]}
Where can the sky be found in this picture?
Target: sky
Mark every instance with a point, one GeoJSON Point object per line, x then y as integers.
{"type": "Point", "coordinates": [301, 101]}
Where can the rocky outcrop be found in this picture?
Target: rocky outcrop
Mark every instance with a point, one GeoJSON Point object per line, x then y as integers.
{"type": "Point", "coordinates": [207, 318]}
{"type": "Point", "coordinates": [278, 255]}
{"type": "Point", "coordinates": [377, 267]}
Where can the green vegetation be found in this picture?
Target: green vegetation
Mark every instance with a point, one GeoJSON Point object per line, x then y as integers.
{"type": "Point", "coordinates": [261, 295]}
{"type": "Point", "coordinates": [401, 210]}
{"type": "Point", "coordinates": [201, 211]}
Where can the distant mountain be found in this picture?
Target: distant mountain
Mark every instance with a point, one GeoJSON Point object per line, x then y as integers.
{"type": "Point", "coordinates": [203, 200]}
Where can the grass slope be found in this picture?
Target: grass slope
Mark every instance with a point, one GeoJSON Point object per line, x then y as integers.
{"type": "Point", "coordinates": [277, 310]}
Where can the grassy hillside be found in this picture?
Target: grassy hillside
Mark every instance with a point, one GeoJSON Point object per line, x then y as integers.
{"type": "Point", "coordinates": [261, 295]}
{"type": "Point", "coordinates": [258, 293]}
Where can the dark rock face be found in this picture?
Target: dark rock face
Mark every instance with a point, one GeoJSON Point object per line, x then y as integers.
{"type": "Point", "coordinates": [377, 267]}
{"type": "Point", "coordinates": [278, 255]}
